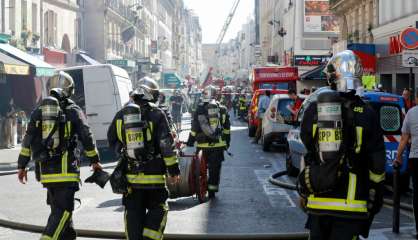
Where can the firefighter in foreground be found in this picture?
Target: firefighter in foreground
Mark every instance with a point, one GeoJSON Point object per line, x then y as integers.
{"type": "Point", "coordinates": [51, 139]}
{"type": "Point", "coordinates": [141, 134]}
{"type": "Point", "coordinates": [342, 184]}
{"type": "Point", "coordinates": [211, 131]}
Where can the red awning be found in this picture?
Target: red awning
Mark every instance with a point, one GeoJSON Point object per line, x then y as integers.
{"type": "Point", "coordinates": [55, 57]}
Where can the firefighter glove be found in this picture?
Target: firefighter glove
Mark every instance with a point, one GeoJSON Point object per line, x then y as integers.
{"type": "Point", "coordinates": [375, 202]}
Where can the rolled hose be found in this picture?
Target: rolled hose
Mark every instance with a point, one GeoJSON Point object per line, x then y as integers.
{"type": "Point", "coordinates": [289, 186]}
{"type": "Point", "coordinates": [121, 235]}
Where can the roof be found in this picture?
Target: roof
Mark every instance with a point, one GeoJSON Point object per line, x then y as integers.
{"type": "Point", "coordinates": [117, 71]}
{"type": "Point", "coordinates": [42, 68]}
{"type": "Point", "coordinates": [9, 65]}
{"type": "Point", "coordinates": [314, 74]}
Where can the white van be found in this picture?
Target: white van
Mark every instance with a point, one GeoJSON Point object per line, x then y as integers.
{"type": "Point", "coordinates": [105, 89]}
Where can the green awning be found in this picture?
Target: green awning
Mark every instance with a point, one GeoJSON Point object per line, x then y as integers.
{"type": "Point", "coordinates": [43, 69]}
{"type": "Point", "coordinates": [4, 38]}
{"type": "Point", "coordinates": [9, 65]}
{"type": "Point", "coordinates": [172, 80]}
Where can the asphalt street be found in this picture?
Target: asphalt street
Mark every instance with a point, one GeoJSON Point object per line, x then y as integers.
{"type": "Point", "coordinates": [247, 203]}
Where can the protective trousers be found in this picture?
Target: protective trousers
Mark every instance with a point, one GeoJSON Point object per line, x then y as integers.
{"type": "Point", "coordinates": [334, 228]}
{"type": "Point", "coordinates": [145, 214]}
{"type": "Point", "coordinates": [214, 158]}
{"type": "Point", "coordinates": [60, 224]}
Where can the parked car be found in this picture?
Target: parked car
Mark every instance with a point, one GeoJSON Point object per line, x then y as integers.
{"type": "Point", "coordinates": [277, 121]}
{"type": "Point", "coordinates": [390, 111]}
{"type": "Point", "coordinates": [252, 119]}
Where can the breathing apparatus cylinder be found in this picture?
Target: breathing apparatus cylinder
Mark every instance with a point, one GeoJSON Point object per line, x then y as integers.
{"type": "Point", "coordinates": [133, 131]}
{"type": "Point", "coordinates": [330, 125]}
{"type": "Point", "coordinates": [50, 109]}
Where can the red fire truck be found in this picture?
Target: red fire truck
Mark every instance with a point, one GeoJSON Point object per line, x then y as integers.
{"type": "Point", "coordinates": [283, 78]}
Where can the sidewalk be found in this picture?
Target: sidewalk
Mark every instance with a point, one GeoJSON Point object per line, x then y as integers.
{"type": "Point", "coordinates": [8, 158]}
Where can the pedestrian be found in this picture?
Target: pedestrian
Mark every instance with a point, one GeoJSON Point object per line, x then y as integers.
{"type": "Point", "coordinates": [235, 104]}
{"type": "Point", "coordinates": [51, 139]}
{"type": "Point", "coordinates": [141, 134]}
{"type": "Point", "coordinates": [341, 186]}
{"type": "Point", "coordinates": [297, 103]}
{"type": "Point", "coordinates": [176, 102]}
{"type": "Point", "coordinates": [211, 131]}
{"type": "Point", "coordinates": [406, 95]}
{"type": "Point", "coordinates": [410, 134]}
{"type": "Point", "coordinates": [10, 125]}
{"type": "Point", "coordinates": [263, 104]}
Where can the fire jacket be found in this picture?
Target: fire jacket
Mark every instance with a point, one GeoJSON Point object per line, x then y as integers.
{"type": "Point", "coordinates": [159, 152]}
{"type": "Point", "coordinates": [197, 134]}
{"type": "Point", "coordinates": [367, 163]}
{"type": "Point", "coordinates": [59, 169]}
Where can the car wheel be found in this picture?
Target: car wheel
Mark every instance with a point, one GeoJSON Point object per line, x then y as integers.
{"type": "Point", "coordinates": [251, 131]}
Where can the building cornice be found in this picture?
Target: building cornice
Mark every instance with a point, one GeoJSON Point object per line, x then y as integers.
{"type": "Point", "coordinates": [63, 4]}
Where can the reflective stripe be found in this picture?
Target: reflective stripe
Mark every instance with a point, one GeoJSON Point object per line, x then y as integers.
{"type": "Point", "coordinates": [164, 221]}
{"type": "Point", "coordinates": [193, 133]}
{"type": "Point", "coordinates": [170, 161]}
{"type": "Point", "coordinates": [61, 225]}
{"type": "Point", "coordinates": [149, 137]}
{"type": "Point", "coordinates": [227, 131]}
{"type": "Point", "coordinates": [359, 142]}
{"type": "Point", "coordinates": [119, 129]}
{"type": "Point", "coordinates": [377, 178]}
{"type": "Point", "coordinates": [67, 130]}
{"type": "Point", "coordinates": [45, 237]}
{"type": "Point", "coordinates": [25, 152]}
{"type": "Point", "coordinates": [211, 145]}
{"type": "Point", "coordinates": [149, 233]}
{"type": "Point", "coordinates": [37, 123]}
{"type": "Point", "coordinates": [213, 187]}
{"type": "Point", "coordinates": [223, 118]}
{"type": "Point", "coordinates": [64, 162]}
{"type": "Point", "coordinates": [151, 125]}
{"type": "Point", "coordinates": [91, 153]}
{"type": "Point", "coordinates": [56, 178]}
{"type": "Point", "coordinates": [352, 182]}
{"type": "Point", "coordinates": [337, 204]}
{"type": "Point", "coordinates": [314, 128]}
{"type": "Point", "coordinates": [145, 179]}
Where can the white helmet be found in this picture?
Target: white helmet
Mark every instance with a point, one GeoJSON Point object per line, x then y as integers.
{"type": "Point", "coordinates": [61, 84]}
{"type": "Point", "coordinates": [148, 90]}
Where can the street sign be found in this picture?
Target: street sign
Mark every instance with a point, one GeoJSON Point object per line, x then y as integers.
{"type": "Point", "coordinates": [410, 58]}
{"type": "Point", "coordinates": [409, 38]}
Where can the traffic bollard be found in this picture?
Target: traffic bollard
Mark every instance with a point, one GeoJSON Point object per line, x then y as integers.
{"type": "Point", "coordinates": [396, 200]}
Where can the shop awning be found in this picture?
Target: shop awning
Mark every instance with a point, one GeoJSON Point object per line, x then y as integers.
{"type": "Point", "coordinates": [9, 65]}
{"type": "Point", "coordinates": [172, 80]}
{"type": "Point", "coordinates": [314, 74]}
{"type": "Point", "coordinates": [89, 60]}
{"type": "Point", "coordinates": [43, 69]}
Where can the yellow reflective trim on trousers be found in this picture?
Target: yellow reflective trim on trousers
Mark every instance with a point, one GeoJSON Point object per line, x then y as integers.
{"type": "Point", "coordinates": [352, 182]}
{"type": "Point", "coordinates": [337, 204]}
{"type": "Point", "coordinates": [149, 233]}
{"type": "Point", "coordinates": [119, 129]}
{"type": "Point", "coordinates": [193, 133]}
{"type": "Point", "coordinates": [91, 153]}
{"type": "Point", "coordinates": [63, 220]}
{"type": "Point", "coordinates": [223, 118]}
{"type": "Point", "coordinates": [25, 152]}
{"type": "Point", "coordinates": [170, 161]}
{"type": "Point", "coordinates": [164, 221]}
{"type": "Point", "coordinates": [56, 178]}
{"type": "Point", "coordinates": [359, 136]}
{"type": "Point", "coordinates": [227, 131]}
{"type": "Point", "coordinates": [145, 179]}
{"type": "Point", "coordinates": [44, 237]}
{"type": "Point", "coordinates": [149, 137]}
{"type": "Point", "coordinates": [64, 163]}
{"type": "Point", "coordinates": [314, 128]}
{"type": "Point", "coordinates": [67, 130]}
{"type": "Point", "coordinates": [377, 178]}
{"type": "Point", "coordinates": [213, 187]}
{"type": "Point", "coordinates": [211, 145]}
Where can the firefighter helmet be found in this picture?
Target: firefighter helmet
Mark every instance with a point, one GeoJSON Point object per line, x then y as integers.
{"type": "Point", "coordinates": [344, 71]}
{"type": "Point", "coordinates": [61, 84]}
{"type": "Point", "coordinates": [148, 89]}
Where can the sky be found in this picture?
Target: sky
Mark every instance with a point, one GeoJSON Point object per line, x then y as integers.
{"type": "Point", "coordinates": [213, 14]}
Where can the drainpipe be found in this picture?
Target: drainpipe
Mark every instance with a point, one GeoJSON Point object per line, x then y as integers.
{"type": "Point", "coordinates": [41, 25]}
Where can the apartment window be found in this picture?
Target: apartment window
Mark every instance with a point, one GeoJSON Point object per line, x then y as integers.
{"type": "Point", "coordinates": [24, 11]}
{"type": "Point", "coordinates": [34, 18]}
{"type": "Point", "coordinates": [12, 19]}
{"type": "Point", "coordinates": [50, 30]}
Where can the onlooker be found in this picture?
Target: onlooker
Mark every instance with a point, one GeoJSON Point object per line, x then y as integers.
{"type": "Point", "coordinates": [263, 104]}
{"type": "Point", "coordinates": [409, 103]}
{"type": "Point", "coordinates": [297, 103]}
{"type": "Point", "coordinates": [176, 102]}
{"type": "Point", "coordinates": [10, 125]}
{"type": "Point", "coordinates": [410, 133]}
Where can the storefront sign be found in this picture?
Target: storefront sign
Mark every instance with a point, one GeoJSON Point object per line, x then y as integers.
{"type": "Point", "coordinates": [410, 58]}
{"type": "Point", "coordinates": [310, 60]}
{"type": "Point", "coordinates": [275, 74]}
{"type": "Point", "coordinates": [409, 38]}
{"type": "Point", "coordinates": [124, 63]}
{"type": "Point", "coordinates": [318, 17]}
{"type": "Point", "coordinates": [395, 46]}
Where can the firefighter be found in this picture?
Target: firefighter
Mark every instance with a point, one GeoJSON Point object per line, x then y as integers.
{"type": "Point", "coordinates": [242, 106]}
{"type": "Point", "coordinates": [141, 134]}
{"type": "Point", "coordinates": [51, 140]}
{"type": "Point", "coordinates": [342, 183]}
{"type": "Point", "coordinates": [211, 131]}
